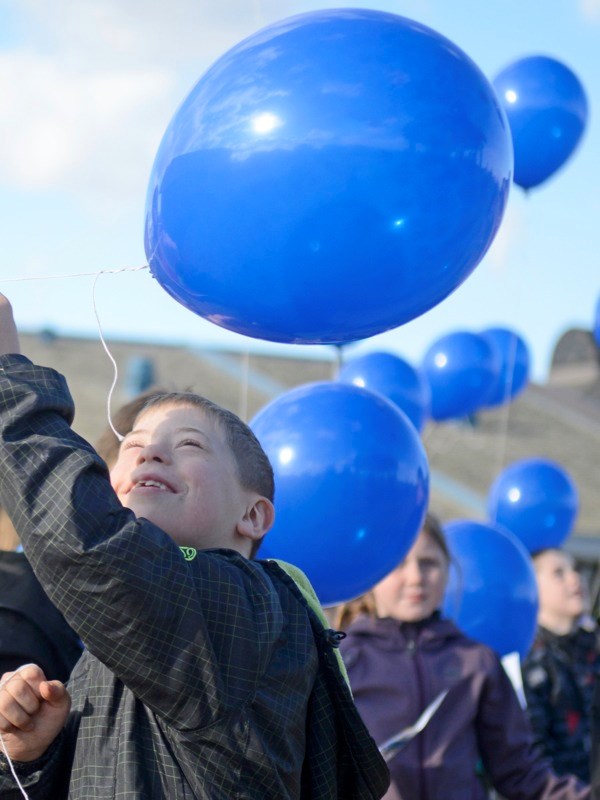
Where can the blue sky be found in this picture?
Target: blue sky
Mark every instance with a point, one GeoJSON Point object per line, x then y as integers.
{"type": "Point", "coordinates": [88, 88]}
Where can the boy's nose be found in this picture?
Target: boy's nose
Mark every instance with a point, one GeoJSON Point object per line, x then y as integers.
{"type": "Point", "coordinates": [152, 452]}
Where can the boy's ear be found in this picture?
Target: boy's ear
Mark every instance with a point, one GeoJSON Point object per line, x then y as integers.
{"type": "Point", "coordinates": [258, 519]}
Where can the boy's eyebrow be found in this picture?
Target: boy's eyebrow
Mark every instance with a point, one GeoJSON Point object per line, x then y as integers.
{"type": "Point", "coordinates": [183, 429]}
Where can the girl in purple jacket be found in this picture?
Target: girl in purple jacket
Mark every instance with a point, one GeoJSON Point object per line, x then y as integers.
{"type": "Point", "coordinates": [439, 704]}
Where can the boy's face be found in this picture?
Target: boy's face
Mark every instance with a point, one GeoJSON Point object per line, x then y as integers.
{"type": "Point", "coordinates": [177, 470]}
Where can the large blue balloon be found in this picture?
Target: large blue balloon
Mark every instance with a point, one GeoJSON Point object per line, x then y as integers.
{"type": "Point", "coordinates": [330, 177]}
{"type": "Point", "coordinates": [352, 484]}
{"type": "Point", "coordinates": [513, 374]}
{"type": "Point", "coordinates": [394, 378]}
{"type": "Point", "coordinates": [547, 112]}
{"type": "Point", "coordinates": [492, 590]}
{"type": "Point", "coordinates": [462, 369]}
{"type": "Point", "coordinates": [537, 500]}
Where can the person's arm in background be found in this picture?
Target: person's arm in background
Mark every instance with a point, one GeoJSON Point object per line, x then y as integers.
{"type": "Point", "coordinates": [595, 749]}
{"type": "Point", "coordinates": [538, 689]}
{"type": "Point", "coordinates": [507, 748]}
{"type": "Point", "coordinates": [9, 336]}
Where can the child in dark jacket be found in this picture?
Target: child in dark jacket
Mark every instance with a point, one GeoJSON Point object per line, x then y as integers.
{"type": "Point", "coordinates": [207, 674]}
{"type": "Point", "coordinates": [560, 672]}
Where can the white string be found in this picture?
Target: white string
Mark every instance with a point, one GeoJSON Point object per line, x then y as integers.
{"type": "Point", "coordinates": [73, 275]}
{"type": "Point", "coordinates": [12, 769]}
{"type": "Point", "coordinates": [119, 436]}
{"type": "Point", "coordinates": [104, 345]}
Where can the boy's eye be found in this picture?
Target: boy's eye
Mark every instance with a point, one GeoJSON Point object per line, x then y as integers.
{"type": "Point", "coordinates": [190, 443]}
{"type": "Point", "coordinates": [129, 443]}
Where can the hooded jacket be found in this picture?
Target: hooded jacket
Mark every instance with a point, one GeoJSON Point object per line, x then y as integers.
{"type": "Point", "coordinates": [559, 675]}
{"type": "Point", "coordinates": [397, 669]}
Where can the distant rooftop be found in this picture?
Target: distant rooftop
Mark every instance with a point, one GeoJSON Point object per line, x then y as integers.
{"type": "Point", "coordinates": [560, 421]}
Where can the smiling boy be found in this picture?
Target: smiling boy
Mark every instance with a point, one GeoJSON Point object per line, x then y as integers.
{"type": "Point", "coordinates": [206, 674]}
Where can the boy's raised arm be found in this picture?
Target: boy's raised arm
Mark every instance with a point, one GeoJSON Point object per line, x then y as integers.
{"type": "Point", "coordinates": [9, 337]}
{"type": "Point", "coordinates": [121, 582]}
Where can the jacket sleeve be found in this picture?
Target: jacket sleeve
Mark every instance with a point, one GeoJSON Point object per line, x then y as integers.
{"type": "Point", "coordinates": [507, 748]}
{"type": "Point", "coordinates": [538, 687]}
{"type": "Point", "coordinates": [595, 753]}
{"type": "Point", "coordinates": [46, 777]}
{"type": "Point", "coordinates": [158, 623]}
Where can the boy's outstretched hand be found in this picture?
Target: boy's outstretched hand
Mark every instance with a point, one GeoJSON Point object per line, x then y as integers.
{"type": "Point", "coordinates": [9, 337]}
{"type": "Point", "coordinates": [33, 711]}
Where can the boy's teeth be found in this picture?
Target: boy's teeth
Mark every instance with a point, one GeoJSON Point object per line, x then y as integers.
{"type": "Point", "coordinates": [152, 483]}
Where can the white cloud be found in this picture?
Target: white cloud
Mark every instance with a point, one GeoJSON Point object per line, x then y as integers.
{"type": "Point", "coordinates": [590, 10]}
{"type": "Point", "coordinates": [84, 103]}
{"type": "Point", "coordinates": [86, 98]}
{"type": "Point", "coordinates": [64, 127]}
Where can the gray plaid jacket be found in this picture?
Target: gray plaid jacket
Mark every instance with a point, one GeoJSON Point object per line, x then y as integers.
{"type": "Point", "coordinates": [203, 678]}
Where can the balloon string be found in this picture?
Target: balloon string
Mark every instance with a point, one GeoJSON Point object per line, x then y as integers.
{"type": "Point", "coordinates": [507, 402]}
{"type": "Point", "coordinates": [119, 436]}
{"type": "Point", "coordinates": [97, 274]}
{"type": "Point", "coordinates": [12, 769]}
{"type": "Point", "coordinates": [73, 275]}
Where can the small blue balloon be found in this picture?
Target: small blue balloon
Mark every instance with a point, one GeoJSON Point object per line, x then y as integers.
{"type": "Point", "coordinates": [596, 330]}
{"type": "Point", "coordinates": [537, 500]}
{"type": "Point", "coordinates": [462, 369]}
{"type": "Point", "coordinates": [513, 374]}
{"type": "Point", "coordinates": [331, 177]}
{"type": "Point", "coordinates": [394, 378]}
{"type": "Point", "coordinates": [492, 590]}
{"type": "Point", "coordinates": [352, 485]}
{"type": "Point", "coordinates": [547, 112]}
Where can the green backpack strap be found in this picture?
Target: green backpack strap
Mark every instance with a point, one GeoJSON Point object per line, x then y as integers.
{"type": "Point", "coordinates": [311, 598]}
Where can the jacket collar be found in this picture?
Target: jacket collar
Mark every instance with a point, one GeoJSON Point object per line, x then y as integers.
{"type": "Point", "coordinates": [391, 633]}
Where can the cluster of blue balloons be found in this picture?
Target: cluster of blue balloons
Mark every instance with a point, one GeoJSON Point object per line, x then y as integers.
{"type": "Point", "coordinates": [329, 178]}
{"type": "Point", "coordinates": [532, 506]}
{"type": "Point", "coordinates": [547, 112]}
{"type": "Point", "coordinates": [469, 371]}
{"type": "Point", "coordinates": [461, 373]}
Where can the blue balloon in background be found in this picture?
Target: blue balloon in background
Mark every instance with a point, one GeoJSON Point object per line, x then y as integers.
{"type": "Point", "coordinates": [331, 177]}
{"type": "Point", "coordinates": [393, 377]}
{"type": "Point", "coordinates": [462, 369]}
{"type": "Point", "coordinates": [513, 374]}
{"type": "Point", "coordinates": [547, 111]}
{"type": "Point", "coordinates": [492, 590]}
{"type": "Point", "coordinates": [537, 500]}
{"type": "Point", "coordinates": [596, 331]}
{"type": "Point", "coordinates": [352, 485]}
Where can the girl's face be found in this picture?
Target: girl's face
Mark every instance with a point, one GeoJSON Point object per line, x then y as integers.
{"type": "Point", "coordinates": [414, 590]}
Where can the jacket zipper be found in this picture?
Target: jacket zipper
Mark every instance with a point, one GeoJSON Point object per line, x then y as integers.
{"type": "Point", "coordinates": [414, 653]}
